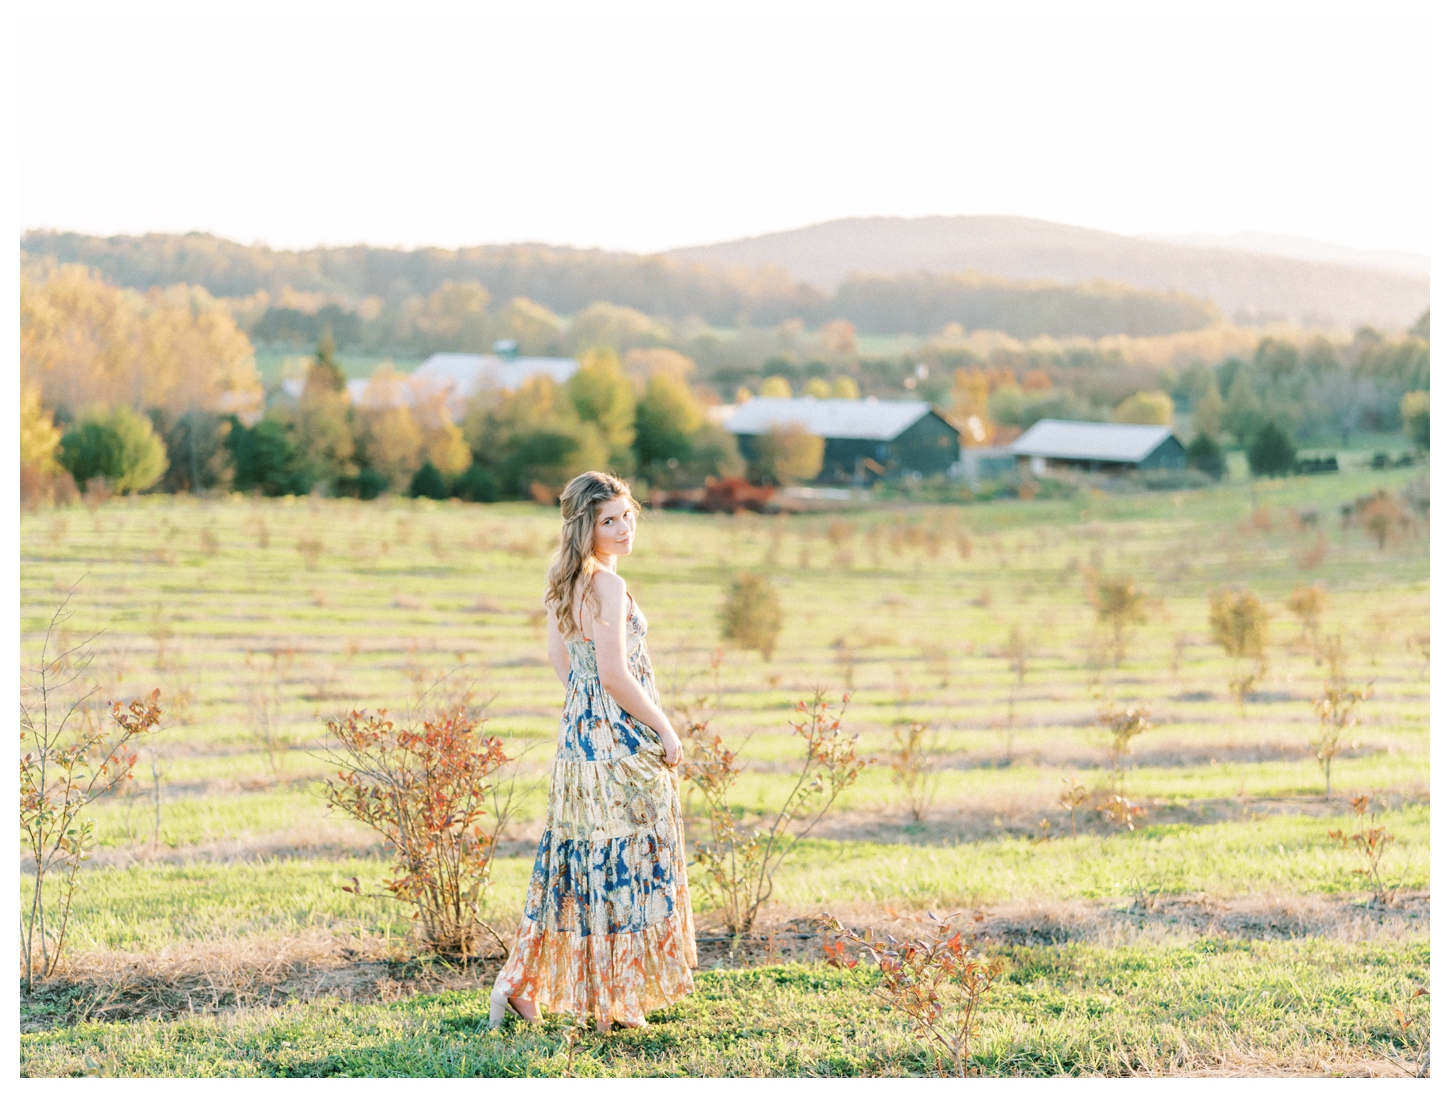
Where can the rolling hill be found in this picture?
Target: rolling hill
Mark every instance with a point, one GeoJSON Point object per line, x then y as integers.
{"type": "Point", "coordinates": [1245, 284]}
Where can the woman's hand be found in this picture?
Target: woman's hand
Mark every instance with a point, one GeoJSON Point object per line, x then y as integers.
{"type": "Point", "coordinates": [674, 751]}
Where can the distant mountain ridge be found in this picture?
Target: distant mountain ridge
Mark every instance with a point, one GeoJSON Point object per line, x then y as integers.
{"type": "Point", "coordinates": [1245, 284]}
{"type": "Point", "coordinates": [1298, 247]}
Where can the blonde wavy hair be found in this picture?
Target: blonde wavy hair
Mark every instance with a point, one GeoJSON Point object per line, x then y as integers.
{"type": "Point", "coordinates": [574, 562]}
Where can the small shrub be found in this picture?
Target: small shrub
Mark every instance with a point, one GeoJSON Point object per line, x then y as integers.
{"type": "Point", "coordinates": [740, 860]}
{"type": "Point", "coordinates": [310, 547]}
{"type": "Point", "coordinates": [1382, 517]}
{"type": "Point", "coordinates": [1240, 626]}
{"type": "Point", "coordinates": [1370, 843]}
{"type": "Point", "coordinates": [1123, 725]}
{"type": "Point", "coordinates": [751, 617]}
{"type": "Point", "coordinates": [940, 982]}
{"type": "Point", "coordinates": [262, 695]}
{"type": "Point", "coordinates": [1016, 651]}
{"type": "Point", "coordinates": [1071, 799]}
{"type": "Point", "coordinates": [915, 767]}
{"type": "Point", "coordinates": [1271, 454]}
{"type": "Point", "coordinates": [1118, 810]}
{"type": "Point", "coordinates": [68, 763]}
{"type": "Point", "coordinates": [1120, 604]}
{"type": "Point", "coordinates": [1308, 605]}
{"type": "Point", "coordinates": [1335, 707]}
{"type": "Point", "coordinates": [432, 792]}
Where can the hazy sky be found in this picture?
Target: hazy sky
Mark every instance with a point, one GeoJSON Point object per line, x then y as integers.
{"type": "Point", "coordinates": [300, 124]}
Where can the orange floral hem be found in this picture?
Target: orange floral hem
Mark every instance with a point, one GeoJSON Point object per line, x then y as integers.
{"type": "Point", "coordinates": [617, 976]}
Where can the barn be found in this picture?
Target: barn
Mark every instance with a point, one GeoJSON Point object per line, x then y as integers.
{"type": "Point", "coordinates": [866, 440]}
{"type": "Point", "coordinates": [1099, 447]}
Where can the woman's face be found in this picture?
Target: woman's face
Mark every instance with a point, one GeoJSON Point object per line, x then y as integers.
{"type": "Point", "coordinates": [614, 529]}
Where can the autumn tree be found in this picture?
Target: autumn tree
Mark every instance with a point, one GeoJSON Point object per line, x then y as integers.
{"type": "Point", "coordinates": [532, 435]}
{"type": "Point", "coordinates": [119, 446]}
{"type": "Point", "coordinates": [39, 441]}
{"type": "Point", "coordinates": [667, 417]}
{"type": "Point", "coordinates": [603, 396]}
{"type": "Point", "coordinates": [788, 454]}
{"type": "Point", "coordinates": [1208, 412]}
{"type": "Point", "coordinates": [87, 344]}
{"type": "Point", "coordinates": [391, 440]}
{"type": "Point", "coordinates": [1154, 408]}
{"type": "Point", "coordinates": [455, 317]}
{"type": "Point", "coordinates": [616, 327]}
{"type": "Point", "coordinates": [322, 419]}
{"type": "Point", "coordinates": [535, 328]}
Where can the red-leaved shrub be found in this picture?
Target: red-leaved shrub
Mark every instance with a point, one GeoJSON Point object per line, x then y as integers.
{"type": "Point", "coordinates": [433, 793]}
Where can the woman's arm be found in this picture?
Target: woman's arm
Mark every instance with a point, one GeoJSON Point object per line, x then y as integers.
{"type": "Point", "coordinates": [558, 652]}
{"type": "Point", "coordinates": [610, 645]}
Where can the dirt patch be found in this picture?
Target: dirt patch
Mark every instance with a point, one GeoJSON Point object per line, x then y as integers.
{"type": "Point", "coordinates": [211, 977]}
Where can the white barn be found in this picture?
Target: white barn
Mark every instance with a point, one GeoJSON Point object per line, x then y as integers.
{"type": "Point", "coordinates": [1099, 447]}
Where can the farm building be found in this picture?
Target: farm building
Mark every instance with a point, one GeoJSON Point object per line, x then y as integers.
{"type": "Point", "coordinates": [465, 375]}
{"type": "Point", "coordinates": [865, 439]}
{"type": "Point", "coordinates": [1099, 447]}
{"type": "Point", "coordinates": [461, 376]}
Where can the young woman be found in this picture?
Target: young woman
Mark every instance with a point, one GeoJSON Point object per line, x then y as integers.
{"type": "Point", "coordinates": [607, 929]}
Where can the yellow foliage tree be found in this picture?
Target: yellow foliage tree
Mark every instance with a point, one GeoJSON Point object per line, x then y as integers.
{"type": "Point", "coordinates": [615, 326]}
{"type": "Point", "coordinates": [775, 386]}
{"type": "Point", "coordinates": [602, 395]}
{"type": "Point", "coordinates": [456, 316]}
{"type": "Point", "coordinates": [391, 439]}
{"type": "Point", "coordinates": [537, 330]}
{"type": "Point", "coordinates": [789, 454]}
{"type": "Point", "coordinates": [1154, 408]}
{"type": "Point", "coordinates": [85, 343]}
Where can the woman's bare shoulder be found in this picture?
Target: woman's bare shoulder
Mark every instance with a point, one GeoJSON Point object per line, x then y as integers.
{"type": "Point", "coordinates": [609, 586]}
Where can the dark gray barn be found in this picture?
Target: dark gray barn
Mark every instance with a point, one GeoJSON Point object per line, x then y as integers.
{"type": "Point", "coordinates": [865, 439]}
{"type": "Point", "coordinates": [1099, 447]}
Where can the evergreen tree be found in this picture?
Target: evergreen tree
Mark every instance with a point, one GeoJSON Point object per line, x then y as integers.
{"type": "Point", "coordinates": [1271, 454]}
{"type": "Point", "coordinates": [1206, 455]}
{"type": "Point", "coordinates": [428, 483]}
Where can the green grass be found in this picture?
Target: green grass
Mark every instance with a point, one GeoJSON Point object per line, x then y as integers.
{"type": "Point", "coordinates": [1066, 1010]}
{"type": "Point", "coordinates": [193, 596]}
{"type": "Point", "coordinates": [146, 907]}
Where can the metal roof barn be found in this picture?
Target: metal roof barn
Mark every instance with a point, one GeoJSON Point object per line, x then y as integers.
{"type": "Point", "coordinates": [865, 439]}
{"type": "Point", "coordinates": [467, 374]}
{"type": "Point", "coordinates": [1101, 444]}
{"type": "Point", "coordinates": [879, 420]}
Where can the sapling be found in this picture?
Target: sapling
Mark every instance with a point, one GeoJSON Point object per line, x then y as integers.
{"type": "Point", "coordinates": [1336, 709]}
{"type": "Point", "coordinates": [1123, 725]}
{"type": "Point", "coordinates": [1240, 626]}
{"type": "Point", "coordinates": [68, 762]}
{"type": "Point", "coordinates": [1370, 842]}
{"type": "Point", "coordinates": [740, 860]}
{"type": "Point", "coordinates": [940, 982]}
{"type": "Point", "coordinates": [915, 766]}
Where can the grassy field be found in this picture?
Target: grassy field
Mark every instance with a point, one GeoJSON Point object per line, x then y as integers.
{"type": "Point", "coordinates": [1226, 933]}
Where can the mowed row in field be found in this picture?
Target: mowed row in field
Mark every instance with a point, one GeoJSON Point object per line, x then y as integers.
{"type": "Point", "coordinates": [252, 615]}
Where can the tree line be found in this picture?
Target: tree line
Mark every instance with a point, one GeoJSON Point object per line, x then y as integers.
{"type": "Point", "coordinates": [159, 391]}
{"type": "Point", "coordinates": [380, 298]}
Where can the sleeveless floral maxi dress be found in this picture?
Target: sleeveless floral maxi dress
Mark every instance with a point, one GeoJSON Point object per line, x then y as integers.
{"type": "Point", "coordinates": [607, 928]}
